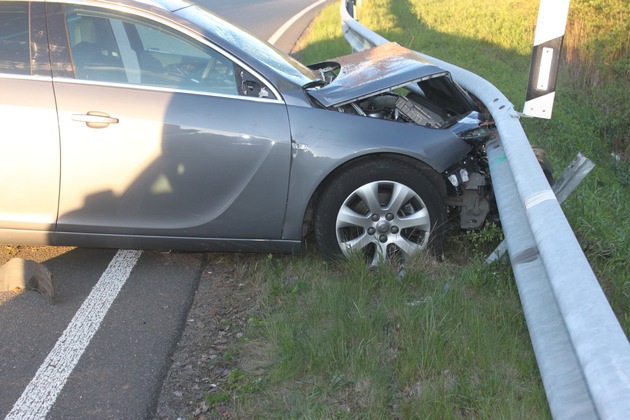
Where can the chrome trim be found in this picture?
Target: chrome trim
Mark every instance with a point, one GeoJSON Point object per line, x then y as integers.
{"type": "Point", "coordinates": [162, 89]}
{"type": "Point", "coordinates": [25, 77]}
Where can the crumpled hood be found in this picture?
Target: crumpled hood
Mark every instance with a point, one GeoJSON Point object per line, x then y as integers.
{"type": "Point", "coordinates": [373, 71]}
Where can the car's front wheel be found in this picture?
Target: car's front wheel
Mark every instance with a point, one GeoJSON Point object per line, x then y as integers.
{"type": "Point", "coordinates": [382, 209]}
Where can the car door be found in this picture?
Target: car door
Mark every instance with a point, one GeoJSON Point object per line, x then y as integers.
{"type": "Point", "coordinates": [155, 137]}
{"type": "Point", "coordinates": [29, 143]}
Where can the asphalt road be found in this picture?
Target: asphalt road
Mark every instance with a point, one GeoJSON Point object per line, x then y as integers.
{"type": "Point", "coordinates": [120, 372]}
{"type": "Point", "coordinates": [115, 364]}
{"type": "Point", "coordinates": [265, 17]}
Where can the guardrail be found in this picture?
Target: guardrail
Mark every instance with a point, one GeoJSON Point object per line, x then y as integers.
{"type": "Point", "coordinates": [583, 354]}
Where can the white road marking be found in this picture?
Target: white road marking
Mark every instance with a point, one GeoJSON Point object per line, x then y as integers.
{"type": "Point", "coordinates": [40, 395]}
{"type": "Point", "coordinates": [276, 36]}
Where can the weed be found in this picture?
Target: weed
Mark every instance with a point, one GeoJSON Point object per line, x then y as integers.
{"type": "Point", "coordinates": [217, 398]}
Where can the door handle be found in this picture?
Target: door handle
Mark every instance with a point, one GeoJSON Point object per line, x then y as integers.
{"type": "Point", "coordinates": [95, 119]}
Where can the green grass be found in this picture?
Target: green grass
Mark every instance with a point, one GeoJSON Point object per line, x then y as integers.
{"type": "Point", "coordinates": [352, 342]}
{"type": "Point", "coordinates": [448, 339]}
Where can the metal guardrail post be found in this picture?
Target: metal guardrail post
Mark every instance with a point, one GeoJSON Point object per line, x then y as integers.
{"type": "Point", "coordinates": [350, 5]}
{"type": "Point", "coordinates": [582, 352]}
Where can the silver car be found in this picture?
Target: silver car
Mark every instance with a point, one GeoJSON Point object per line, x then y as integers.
{"type": "Point", "coordinates": [156, 124]}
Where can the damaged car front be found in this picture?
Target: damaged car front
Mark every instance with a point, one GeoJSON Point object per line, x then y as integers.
{"type": "Point", "coordinates": [430, 119]}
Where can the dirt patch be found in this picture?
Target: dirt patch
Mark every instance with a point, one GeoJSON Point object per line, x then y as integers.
{"type": "Point", "coordinates": [205, 361]}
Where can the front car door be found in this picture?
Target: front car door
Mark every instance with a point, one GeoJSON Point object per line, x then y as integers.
{"type": "Point", "coordinates": [155, 138]}
{"type": "Point", "coordinates": [29, 144]}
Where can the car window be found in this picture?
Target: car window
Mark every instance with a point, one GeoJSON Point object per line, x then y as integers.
{"type": "Point", "coordinates": [14, 42]}
{"type": "Point", "coordinates": [111, 47]}
{"type": "Point", "coordinates": [263, 51]}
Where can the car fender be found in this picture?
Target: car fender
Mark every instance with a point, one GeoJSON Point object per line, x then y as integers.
{"type": "Point", "coordinates": [324, 141]}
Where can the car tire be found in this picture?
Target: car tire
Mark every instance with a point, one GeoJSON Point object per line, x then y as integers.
{"type": "Point", "coordinates": [384, 209]}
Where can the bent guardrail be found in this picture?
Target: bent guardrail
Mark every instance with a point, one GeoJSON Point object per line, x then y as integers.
{"type": "Point", "coordinates": [583, 354]}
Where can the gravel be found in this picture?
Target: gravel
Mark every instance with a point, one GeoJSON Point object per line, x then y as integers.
{"type": "Point", "coordinates": [197, 382]}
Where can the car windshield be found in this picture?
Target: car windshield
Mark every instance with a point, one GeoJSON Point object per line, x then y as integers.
{"type": "Point", "coordinates": [263, 51]}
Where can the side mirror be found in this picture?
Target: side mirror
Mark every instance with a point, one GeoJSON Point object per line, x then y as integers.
{"type": "Point", "coordinates": [250, 86]}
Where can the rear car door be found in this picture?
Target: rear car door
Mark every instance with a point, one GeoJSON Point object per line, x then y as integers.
{"type": "Point", "coordinates": [29, 139]}
{"type": "Point", "coordinates": [155, 138]}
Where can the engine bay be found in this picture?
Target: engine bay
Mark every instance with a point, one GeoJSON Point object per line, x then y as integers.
{"type": "Point", "coordinates": [391, 106]}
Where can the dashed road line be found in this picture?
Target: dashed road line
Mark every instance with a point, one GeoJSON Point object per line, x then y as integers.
{"type": "Point", "coordinates": [41, 393]}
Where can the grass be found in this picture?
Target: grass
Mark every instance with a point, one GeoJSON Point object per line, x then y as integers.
{"type": "Point", "coordinates": [447, 339]}
{"type": "Point", "coordinates": [351, 342]}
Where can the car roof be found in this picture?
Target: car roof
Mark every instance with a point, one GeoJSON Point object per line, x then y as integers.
{"type": "Point", "coordinates": [166, 5]}
{"type": "Point", "coordinates": [170, 5]}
